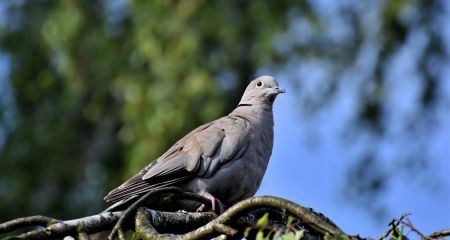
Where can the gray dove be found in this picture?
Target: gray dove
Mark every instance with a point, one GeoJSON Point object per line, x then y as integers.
{"type": "Point", "coordinates": [223, 160]}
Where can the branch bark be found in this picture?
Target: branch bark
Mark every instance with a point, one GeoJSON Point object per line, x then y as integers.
{"type": "Point", "coordinates": [26, 221]}
{"type": "Point", "coordinates": [90, 224]}
{"type": "Point", "coordinates": [156, 223]}
{"type": "Point", "coordinates": [240, 216]}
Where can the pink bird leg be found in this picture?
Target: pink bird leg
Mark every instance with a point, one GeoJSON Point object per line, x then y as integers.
{"type": "Point", "coordinates": [214, 203]}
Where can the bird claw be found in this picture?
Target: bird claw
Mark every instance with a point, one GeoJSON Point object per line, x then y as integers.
{"type": "Point", "coordinates": [214, 203]}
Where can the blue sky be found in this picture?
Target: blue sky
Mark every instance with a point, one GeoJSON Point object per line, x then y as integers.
{"type": "Point", "coordinates": [312, 170]}
{"type": "Point", "coordinates": [314, 176]}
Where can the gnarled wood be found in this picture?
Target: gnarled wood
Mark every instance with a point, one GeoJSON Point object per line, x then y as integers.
{"type": "Point", "coordinates": [163, 221]}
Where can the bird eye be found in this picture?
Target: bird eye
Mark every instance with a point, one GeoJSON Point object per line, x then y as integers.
{"type": "Point", "coordinates": [259, 84]}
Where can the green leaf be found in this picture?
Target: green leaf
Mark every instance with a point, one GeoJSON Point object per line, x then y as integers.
{"type": "Point", "coordinates": [260, 235]}
{"type": "Point", "coordinates": [263, 221]}
{"type": "Point", "coordinates": [290, 220]}
{"type": "Point", "coordinates": [247, 231]}
{"type": "Point", "coordinates": [277, 235]}
{"type": "Point", "coordinates": [299, 234]}
{"type": "Point", "coordinates": [328, 237]}
{"type": "Point", "coordinates": [340, 237]}
{"type": "Point", "coordinates": [288, 236]}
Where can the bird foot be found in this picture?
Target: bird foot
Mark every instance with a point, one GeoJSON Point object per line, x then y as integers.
{"type": "Point", "coordinates": [214, 203]}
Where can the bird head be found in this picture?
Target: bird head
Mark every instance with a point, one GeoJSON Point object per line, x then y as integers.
{"type": "Point", "coordinates": [262, 90]}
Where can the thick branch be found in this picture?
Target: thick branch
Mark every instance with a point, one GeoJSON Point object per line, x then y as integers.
{"type": "Point", "coordinates": [149, 224]}
{"type": "Point", "coordinates": [316, 221]}
{"type": "Point", "coordinates": [160, 197]}
{"type": "Point", "coordinates": [91, 224]}
{"type": "Point", "coordinates": [238, 214]}
{"type": "Point", "coordinates": [176, 222]}
{"type": "Point", "coordinates": [26, 221]}
{"type": "Point", "coordinates": [146, 218]}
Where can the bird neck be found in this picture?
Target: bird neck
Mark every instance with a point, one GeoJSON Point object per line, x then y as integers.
{"type": "Point", "coordinates": [258, 113]}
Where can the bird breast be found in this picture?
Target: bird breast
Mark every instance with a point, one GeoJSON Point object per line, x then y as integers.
{"type": "Point", "coordinates": [241, 177]}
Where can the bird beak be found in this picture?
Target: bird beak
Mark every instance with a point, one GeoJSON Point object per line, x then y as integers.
{"type": "Point", "coordinates": [280, 90]}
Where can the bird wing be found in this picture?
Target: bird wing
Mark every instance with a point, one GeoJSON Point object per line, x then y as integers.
{"type": "Point", "coordinates": [199, 153]}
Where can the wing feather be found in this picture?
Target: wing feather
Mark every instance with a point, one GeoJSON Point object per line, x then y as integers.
{"type": "Point", "coordinates": [199, 153]}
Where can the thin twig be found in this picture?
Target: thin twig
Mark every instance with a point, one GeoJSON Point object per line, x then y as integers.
{"type": "Point", "coordinates": [405, 221]}
{"type": "Point", "coordinates": [440, 234]}
{"type": "Point", "coordinates": [121, 234]}
{"type": "Point", "coordinates": [393, 225]}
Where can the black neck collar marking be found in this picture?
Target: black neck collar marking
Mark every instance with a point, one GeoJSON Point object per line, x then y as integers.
{"type": "Point", "coordinates": [244, 105]}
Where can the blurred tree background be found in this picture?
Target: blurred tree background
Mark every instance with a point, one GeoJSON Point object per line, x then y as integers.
{"type": "Point", "coordinates": [98, 89]}
{"type": "Point", "coordinates": [92, 91]}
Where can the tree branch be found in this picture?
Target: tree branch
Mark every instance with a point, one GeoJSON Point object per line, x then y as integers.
{"type": "Point", "coordinates": [237, 214]}
{"type": "Point", "coordinates": [405, 221]}
{"type": "Point", "coordinates": [165, 197]}
{"type": "Point", "coordinates": [440, 234]}
{"type": "Point", "coordinates": [158, 223]}
{"type": "Point", "coordinates": [91, 224]}
{"type": "Point", "coordinates": [26, 221]}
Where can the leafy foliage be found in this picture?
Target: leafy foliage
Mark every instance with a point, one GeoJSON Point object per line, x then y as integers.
{"type": "Point", "coordinates": [100, 88]}
{"type": "Point", "coordinates": [266, 232]}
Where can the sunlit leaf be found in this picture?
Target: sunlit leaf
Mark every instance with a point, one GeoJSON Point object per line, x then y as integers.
{"type": "Point", "coordinates": [260, 235]}
{"type": "Point", "coordinates": [247, 231]}
{"type": "Point", "coordinates": [340, 237]}
{"type": "Point", "coordinates": [328, 237]}
{"type": "Point", "coordinates": [290, 220]}
{"type": "Point", "coordinates": [299, 234]}
{"type": "Point", "coordinates": [277, 235]}
{"type": "Point", "coordinates": [263, 221]}
{"type": "Point", "coordinates": [288, 236]}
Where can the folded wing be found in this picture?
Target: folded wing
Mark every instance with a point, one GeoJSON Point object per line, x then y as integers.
{"type": "Point", "coordinates": [200, 153]}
